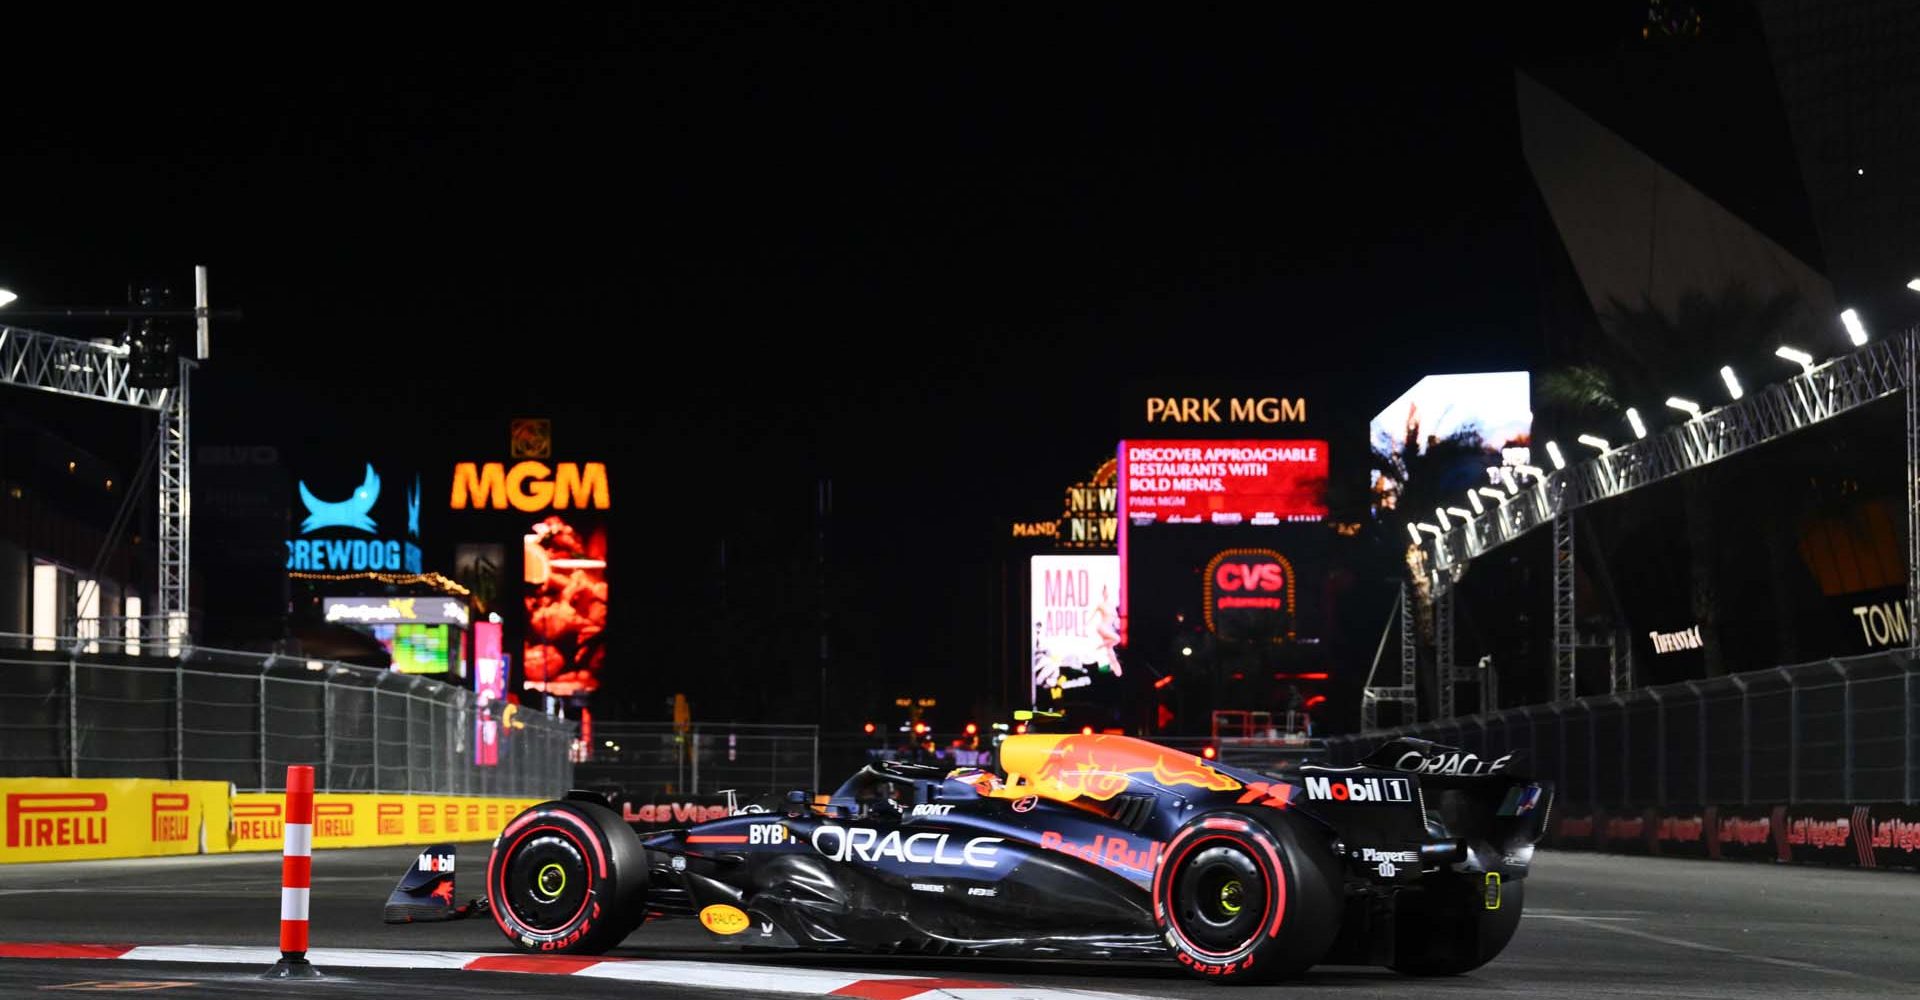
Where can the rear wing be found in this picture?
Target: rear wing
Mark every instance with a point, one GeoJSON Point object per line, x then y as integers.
{"type": "Point", "coordinates": [1427, 758]}
{"type": "Point", "coordinates": [1495, 799]}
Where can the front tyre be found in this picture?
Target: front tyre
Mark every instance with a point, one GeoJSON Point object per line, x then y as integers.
{"type": "Point", "coordinates": [567, 876]}
{"type": "Point", "coordinates": [1238, 900]}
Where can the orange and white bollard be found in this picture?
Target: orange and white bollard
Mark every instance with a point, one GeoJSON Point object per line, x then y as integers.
{"type": "Point", "coordinates": [296, 877]}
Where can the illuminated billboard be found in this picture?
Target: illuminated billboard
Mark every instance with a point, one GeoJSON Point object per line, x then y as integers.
{"type": "Point", "coordinates": [1455, 429]}
{"type": "Point", "coordinates": [565, 595]}
{"type": "Point", "coordinates": [334, 535]}
{"type": "Point", "coordinates": [490, 690]}
{"type": "Point", "coordinates": [1249, 594]}
{"type": "Point", "coordinates": [419, 649]}
{"type": "Point", "coordinates": [1222, 482]}
{"type": "Point", "coordinates": [395, 610]}
{"type": "Point", "coordinates": [1076, 610]}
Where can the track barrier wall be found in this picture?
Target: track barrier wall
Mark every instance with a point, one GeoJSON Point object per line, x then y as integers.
{"type": "Point", "coordinates": [1814, 763]}
{"type": "Point", "coordinates": [75, 819]}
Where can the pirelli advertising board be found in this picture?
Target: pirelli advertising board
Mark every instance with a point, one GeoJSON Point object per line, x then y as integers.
{"type": "Point", "coordinates": [60, 819]}
{"type": "Point", "coordinates": [367, 820]}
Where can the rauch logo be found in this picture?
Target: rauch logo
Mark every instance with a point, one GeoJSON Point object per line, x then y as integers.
{"type": "Point", "coordinates": [56, 819]}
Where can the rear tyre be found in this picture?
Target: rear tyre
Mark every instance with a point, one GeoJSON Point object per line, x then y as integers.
{"type": "Point", "coordinates": [1241, 901]}
{"type": "Point", "coordinates": [1449, 931]}
{"type": "Point", "coordinates": [567, 877]}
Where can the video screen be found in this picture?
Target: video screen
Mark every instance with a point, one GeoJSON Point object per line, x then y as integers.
{"type": "Point", "coordinates": [1076, 622]}
{"type": "Point", "coordinates": [1455, 431]}
{"type": "Point", "coordinates": [422, 649]}
{"type": "Point", "coordinates": [1223, 482]}
{"type": "Point", "coordinates": [565, 596]}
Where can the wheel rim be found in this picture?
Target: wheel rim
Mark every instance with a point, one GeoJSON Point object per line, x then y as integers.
{"type": "Point", "coordinates": [547, 880]}
{"type": "Point", "coordinates": [1218, 898]}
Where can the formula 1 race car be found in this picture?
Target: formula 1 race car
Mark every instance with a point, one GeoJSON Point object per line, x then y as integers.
{"type": "Point", "coordinates": [1077, 846]}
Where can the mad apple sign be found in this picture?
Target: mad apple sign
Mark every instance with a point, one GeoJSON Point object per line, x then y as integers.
{"type": "Point", "coordinates": [1250, 595]}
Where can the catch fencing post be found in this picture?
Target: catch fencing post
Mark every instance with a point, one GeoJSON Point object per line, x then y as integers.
{"type": "Point", "coordinates": [1846, 724]}
{"type": "Point", "coordinates": [73, 714]}
{"type": "Point", "coordinates": [1907, 682]}
{"type": "Point", "coordinates": [296, 877]}
{"type": "Point", "coordinates": [263, 722]}
{"type": "Point", "coordinates": [180, 717]}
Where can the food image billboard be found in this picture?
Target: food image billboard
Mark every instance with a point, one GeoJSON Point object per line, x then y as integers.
{"type": "Point", "coordinates": [1076, 610]}
{"type": "Point", "coordinates": [565, 597]}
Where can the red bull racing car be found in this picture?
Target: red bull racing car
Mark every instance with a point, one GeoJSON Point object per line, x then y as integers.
{"type": "Point", "coordinates": [1076, 846]}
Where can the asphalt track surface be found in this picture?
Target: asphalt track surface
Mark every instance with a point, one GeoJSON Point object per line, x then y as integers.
{"type": "Point", "coordinates": [1595, 926]}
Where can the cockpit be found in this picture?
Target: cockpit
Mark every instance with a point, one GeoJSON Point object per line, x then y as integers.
{"type": "Point", "coordinates": [889, 789]}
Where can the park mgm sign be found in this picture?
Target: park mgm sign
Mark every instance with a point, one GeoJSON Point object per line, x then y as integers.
{"type": "Point", "coordinates": [1090, 519]}
{"type": "Point", "coordinates": [1226, 410]}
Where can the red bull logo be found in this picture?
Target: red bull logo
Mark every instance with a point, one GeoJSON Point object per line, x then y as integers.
{"type": "Point", "coordinates": [56, 819]}
{"type": "Point", "coordinates": [1112, 852]}
{"type": "Point", "coordinates": [170, 816]}
{"type": "Point", "coordinates": [1098, 767]}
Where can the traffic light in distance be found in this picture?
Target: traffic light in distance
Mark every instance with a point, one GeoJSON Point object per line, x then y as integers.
{"type": "Point", "coordinates": [1209, 753]}
{"type": "Point", "coordinates": [868, 728]}
{"type": "Point", "coordinates": [1020, 729]}
{"type": "Point", "coordinates": [972, 730]}
{"type": "Point", "coordinates": [1086, 730]}
{"type": "Point", "coordinates": [919, 727]}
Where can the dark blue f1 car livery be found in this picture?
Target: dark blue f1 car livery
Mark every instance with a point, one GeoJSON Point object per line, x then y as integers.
{"type": "Point", "coordinates": [1077, 846]}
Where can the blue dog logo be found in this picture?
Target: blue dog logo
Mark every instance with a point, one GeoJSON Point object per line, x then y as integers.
{"type": "Point", "coordinates": [413, 508]}
{"type": "Point", "coordinates": [348, 513]}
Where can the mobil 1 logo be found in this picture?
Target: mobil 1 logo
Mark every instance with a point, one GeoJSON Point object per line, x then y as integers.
{"type": "Point", "coordinates": [1359, 789]}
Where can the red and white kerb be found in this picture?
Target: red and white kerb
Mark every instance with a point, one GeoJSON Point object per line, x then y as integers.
{"type": "Point", "coordinates": [296, 862]}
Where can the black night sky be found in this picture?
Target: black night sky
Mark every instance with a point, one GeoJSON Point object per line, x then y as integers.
{"type": "Point", "coordinates": [927, 253]}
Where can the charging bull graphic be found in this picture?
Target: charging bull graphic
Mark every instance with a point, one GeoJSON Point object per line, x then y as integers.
{"type": "Point", "coordinates": [348, 513]}
{"type": "Point", "coordinates": [1068, 767]}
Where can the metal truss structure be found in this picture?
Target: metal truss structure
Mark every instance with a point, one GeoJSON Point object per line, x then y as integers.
{"type": "Point", "coordinates": [1405, 693]}
{"type": "Point", "coordinates": [1829, 390]}
{"type": "Point", "coordinates": [1566, 654]}
{"type": "Point", "coordinates": [98, 370]}
{"type": "Point", "coordinates": [1445, 673]}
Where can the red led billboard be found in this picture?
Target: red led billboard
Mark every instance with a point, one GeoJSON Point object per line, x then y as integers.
{"type": "Point", "coordinates": [566, 604]}
{"type": "Point", "coordinates": [1223, 482]}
